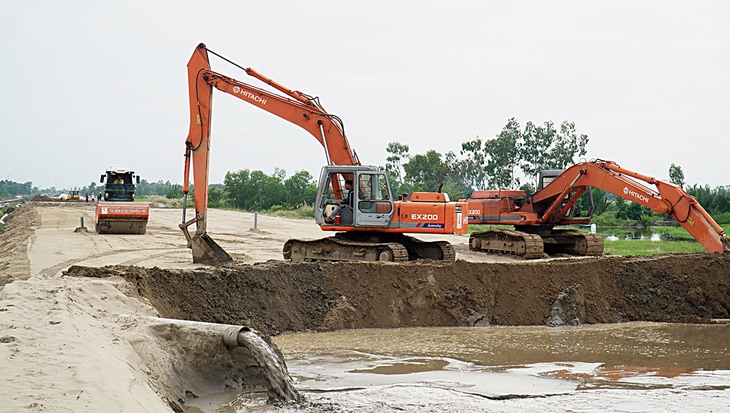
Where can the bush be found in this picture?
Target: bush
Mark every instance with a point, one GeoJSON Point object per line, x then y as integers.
{"type": "Point", "coordinates": [723, 218]}
{"type": "Point", "coordinates": [304, 211]}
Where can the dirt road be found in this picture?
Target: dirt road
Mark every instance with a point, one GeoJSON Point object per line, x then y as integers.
{"type": "Point", "coordinates": [55, 246]}
{"type": "Point", "coordinates": [77, 329]}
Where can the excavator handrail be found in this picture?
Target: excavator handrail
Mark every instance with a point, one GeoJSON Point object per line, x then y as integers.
{"type": "Point", "coordinates": [666, 198]}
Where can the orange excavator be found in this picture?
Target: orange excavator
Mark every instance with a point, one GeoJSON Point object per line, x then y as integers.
{"type": "Point", "coordinates": [535, 217]}
{"type": "Point", "coordinates": [370, 227]}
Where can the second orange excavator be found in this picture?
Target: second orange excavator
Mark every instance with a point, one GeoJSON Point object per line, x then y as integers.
{"type": "Point", "coordinates": [371, 226]}
{"type": "Point", "coordinates": [535, 217]}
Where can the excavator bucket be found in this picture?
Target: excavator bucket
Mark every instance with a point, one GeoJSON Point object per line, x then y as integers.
{"type": "Point", "coordinates": [725, 243]}
{"type": "Point", "coordinates": [207, 251]}
{"type": "Point", "coordinates": [121, 218]}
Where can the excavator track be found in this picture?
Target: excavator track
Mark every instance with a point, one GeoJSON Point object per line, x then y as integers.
{"type": "Point", "coordinates": [517, 243]}
{"type": "Point", "coordinates": [429, 250]}
{"type": "Point", "coordinates": [341, 249]}
{"type": "Point", "coordinates": [368, 247]}
{"type": "Point", "coordinates": [575, 242]}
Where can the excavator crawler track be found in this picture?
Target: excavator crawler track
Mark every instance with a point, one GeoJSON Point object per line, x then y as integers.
{"type": "Point", "coordinates": [574, 242]}
{"type": "Point", "coordinates": [429, 250]}
{"type": "Point", "coordinates": [368, 247]}
{"type": "Point", "coordinates": [340, 249]}
{"type": "Point", "coordinates": [517, 243]}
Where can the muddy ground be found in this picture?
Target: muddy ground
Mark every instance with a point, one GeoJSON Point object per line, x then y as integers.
{"type": "Point", "coordinates": [276, 297]}
{"type": "Point", "coordinates": [74, 305]}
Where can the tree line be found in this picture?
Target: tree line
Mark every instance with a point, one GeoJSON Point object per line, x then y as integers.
{"type": "Point", "coordinates": [509, 160]}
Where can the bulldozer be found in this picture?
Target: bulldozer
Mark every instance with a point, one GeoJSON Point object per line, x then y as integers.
{"type": "Point", "coordinates": [118, 213]}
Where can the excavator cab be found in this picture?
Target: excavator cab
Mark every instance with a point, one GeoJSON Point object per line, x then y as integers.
{"type": "Point", "coordinates": [371, 204]}
{"type": "Point", "coordinates": [546, 176]}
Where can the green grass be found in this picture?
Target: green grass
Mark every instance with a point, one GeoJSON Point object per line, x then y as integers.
{"type": "Point", "coordinates": [165, 202]}
{"type": "Point", "coordinates": [684, 243]}
{"type": "Point", "coordinates": [3, 210]}
{"type": "Point", "coordinates": [481, 227]}
{"type": "Point", "coordinates": [305, 211]}
{"type": "Point", "coordinates": [648, 247]}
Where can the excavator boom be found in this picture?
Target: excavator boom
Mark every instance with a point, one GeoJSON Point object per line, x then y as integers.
{"type": "Point", "coordinates": [665, 198]}
{"type": "Point", "coordinates": [377, 221]}
{"type": "Point", "coordinates": [535, 217]}
{"type": "Point", "coordinates": [298, 108]}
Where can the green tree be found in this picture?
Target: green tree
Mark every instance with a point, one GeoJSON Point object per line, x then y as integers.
{"type": "Point", "coordinates": [455, 177]}
{"type": "Point", "coordinates": [425, 172]}
{"type": "Point", "coordinates": [634, 211]}
{"type": "Point", "coordinates": [174, 191]}
{"type": "Point", "coordinates": [503, 155]}
{"type": "Point", "coordinates": [493, 163]}
{"type": "Point", "coordinates": [301, 189]}
{"type": "Point", "coordinates": [398, 153]}
{"type": "Point", "coordinates": [676, 176]}
{"type": "Point", "coordinates": [255, 190]}
{"type": "Point", "coordinates": [239, 190]}
{"type": "Point", "coordinates": [543, 147]}
{"type": "Point", "coordinates": [11, 188]}
{"type": "Point", "coordinates": [216, 196]}
{"type": "Point", "coordinates": [601, 201]}
{"type": "Point", "coordinates": [472, 166]}
{"type": "Point", "coordinates": [153, 188]}
{"type": "Point", "coordinates": [621, 206]}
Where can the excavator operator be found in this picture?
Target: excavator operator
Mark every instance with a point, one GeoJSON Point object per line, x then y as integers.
{"type": "Point", "coordinates": [344, 206]}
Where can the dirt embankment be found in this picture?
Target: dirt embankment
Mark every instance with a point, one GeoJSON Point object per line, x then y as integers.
{"type": "Point", "coordinates": [14, 263]}
{"type": "Point", "coordinates": [275, 297]}
{"type": "Point", "coordinates": [103, 350]}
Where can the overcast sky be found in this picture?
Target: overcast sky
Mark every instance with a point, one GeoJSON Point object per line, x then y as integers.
{"type": "Point", "coordinates": [89, 84]}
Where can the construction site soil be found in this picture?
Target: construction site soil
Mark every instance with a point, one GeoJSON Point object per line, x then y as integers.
{"type": "Point", "coordinates": [275, 297]}
{"type": "Point", "coordinates": [78, 309]}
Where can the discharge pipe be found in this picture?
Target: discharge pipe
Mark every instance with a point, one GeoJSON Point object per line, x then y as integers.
{"type": "Point", "coordinates": [280, 383]}
{"type": "Point", "coordinates": [229, 333]}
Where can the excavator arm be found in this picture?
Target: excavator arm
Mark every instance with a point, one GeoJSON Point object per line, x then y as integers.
{"type": "Point", "coordinates": [607, 175]}
{"type": "Point", "coordinates": [293, 106]}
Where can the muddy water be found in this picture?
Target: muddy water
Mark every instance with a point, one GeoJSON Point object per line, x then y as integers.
{"type": "Point", "coordinates": [280, 383]}
{"type": "Point", "coordinates": [633, 367]}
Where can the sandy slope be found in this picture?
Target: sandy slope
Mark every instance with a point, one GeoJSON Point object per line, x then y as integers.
{"type": "Point", "coordinates": [63, 344]}
{"type": "Point", "coordinates": [87, 340]}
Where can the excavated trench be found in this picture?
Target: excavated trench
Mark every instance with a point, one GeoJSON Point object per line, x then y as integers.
{"type": "Point", "coordinates": [276, 297]}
